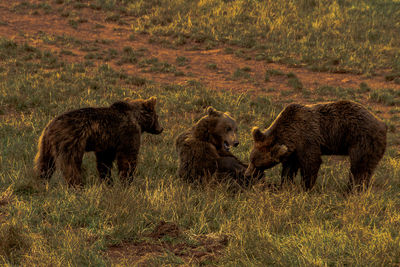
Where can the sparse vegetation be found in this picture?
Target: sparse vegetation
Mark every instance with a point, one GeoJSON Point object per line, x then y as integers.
{"type": "Point", "coordinates": [182, 61]}
{"type": "Point", "coordinates": [386, 97]}
{"type": "Point", "coordinates": [154, 65]}
{"type": "Point", "coordinates": [275, 72]}
{"type": "Point", "coordinates": [328, 35]}
{"type": "Point", "coordinates": [294, 81]}
{"type": "Point", "coordinates": [241, 73]}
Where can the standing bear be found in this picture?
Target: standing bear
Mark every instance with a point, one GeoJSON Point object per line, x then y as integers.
{"type": "Point", "coordinates": [111, 132]}
{"type": "Point", "coordinates": [301, 134]}
{"type": "Point", "coordinates": [204, 149]}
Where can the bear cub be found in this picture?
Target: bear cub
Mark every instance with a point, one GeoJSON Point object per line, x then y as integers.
{"type": "Point", "coordinates": [301, 134]}
{"type": "Point", "coordinates": [203, 149]}
{"type": "Point", "coordinates": [111, 132]}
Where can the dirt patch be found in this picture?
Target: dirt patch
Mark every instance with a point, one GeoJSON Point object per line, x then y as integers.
{"type": "Point", "coordinates": [165, 240]}
{"type": "Point", "coordinates": [165, 229]}
{"type": "Point", "coordinates": [30, 27]}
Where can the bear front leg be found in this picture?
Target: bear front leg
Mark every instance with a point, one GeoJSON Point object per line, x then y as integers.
{"type": "Point", "coordinates": [126, 165]}
{"type": "Point", "coordinates": [289, 170]}
{"type": "Point", "coordinates": [127, 152]}
{"type": "Point", "coordinates": [309, 167]}
{"type": "Point", "coordinates": [231, 166]}
{"type": "Point", "coordinates": [104, 161]}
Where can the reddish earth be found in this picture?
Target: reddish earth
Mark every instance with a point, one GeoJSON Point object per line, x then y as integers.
{"type": "Point", "coordinates": [28, 26]}
{"type": "Point", "coordinates": [33, 26]}
{"type": "Point", "coordinates": [202, 248]}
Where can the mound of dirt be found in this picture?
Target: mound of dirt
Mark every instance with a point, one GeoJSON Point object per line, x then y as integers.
{"type": "Point", "coordinates": [194, 249]}
{"type": "Point", "coordinates": [165, 229]}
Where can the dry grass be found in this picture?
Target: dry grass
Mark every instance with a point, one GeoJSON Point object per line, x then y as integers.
{"type": "Point", "coordinates": [50, 224]}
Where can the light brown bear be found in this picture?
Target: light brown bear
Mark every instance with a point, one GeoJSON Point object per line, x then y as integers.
{"type": "Point", "coordinates": [204, 149]}
{"type": "Point", "coordinates": [111, 132]}
{"type": "Point", "coordinates": [301, 134]}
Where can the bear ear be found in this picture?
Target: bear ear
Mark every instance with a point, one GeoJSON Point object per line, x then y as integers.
{"type": "Point", "coordinates": [153, 100]}
{"type": "Point", "coordinates": [212, 111]}
{"type": "Point", "coordinates": [258, 136]}
{"type": "Point", "coordinates": [150, 103]}
{"type": "Point", "coordinates": [122, 106]}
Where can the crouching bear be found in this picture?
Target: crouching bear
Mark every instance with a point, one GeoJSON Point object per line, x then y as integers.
{"type": "Point", "coordinates": [302, 133]}
{"type": "Point", "coordinates": [204, 149]}
{"type": "Point", "coordinates": [111, 132]}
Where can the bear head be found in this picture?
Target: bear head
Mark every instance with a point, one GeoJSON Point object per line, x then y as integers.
{"type": "Point", "coordinates": [266, 152]}
{"type": "Point", "coordinates": [217, 128]}
{"type": "Point", "coordinates": [142, 110]}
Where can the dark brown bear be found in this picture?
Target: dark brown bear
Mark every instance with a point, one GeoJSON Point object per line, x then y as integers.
{"type": "Point", "coordinates": [204, 149]}
{"type": "Point", "coordinates": [301, 134]}
{"type": "Point", "coordinates": [111, 132]}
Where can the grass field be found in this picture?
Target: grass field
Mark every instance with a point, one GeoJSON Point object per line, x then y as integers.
{"type": "Point", "coordinates": [43, 74]}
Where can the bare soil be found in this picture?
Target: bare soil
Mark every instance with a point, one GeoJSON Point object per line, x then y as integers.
{"type": "Point", "coordinates": [202, 248]}
{"type": "Point", "coordinates": [27, 26]}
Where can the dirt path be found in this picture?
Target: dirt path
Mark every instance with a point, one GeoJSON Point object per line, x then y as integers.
{"type": "Point", "coordinates": [29, 26]}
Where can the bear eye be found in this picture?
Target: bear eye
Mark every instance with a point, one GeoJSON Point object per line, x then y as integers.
{"type": "Point", "coordinates": [228, 129]}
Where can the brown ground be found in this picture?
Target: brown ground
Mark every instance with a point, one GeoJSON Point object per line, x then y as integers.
{"type": "Point", "coordinates": [25, 25]}
{"type": "Point", "coordinates": [166, 239]}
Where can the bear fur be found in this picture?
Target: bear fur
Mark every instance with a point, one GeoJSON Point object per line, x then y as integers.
{"type": "Point", "coordinates": [301, 134]}
{"type": "Point", "coordinates": [203, 149]}
{"type": "Point", "coordinates": [111, 132]}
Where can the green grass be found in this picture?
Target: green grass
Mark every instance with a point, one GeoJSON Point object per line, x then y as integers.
{"type": "Point", "coordinates": [294, 81]}
{"type": "Point", "coordinates": [242, 73]}
{"type": "Point", "coordinates": [274, 72]}
{"type": "Point", "coordinates": [212, 66]}
{"type": "Point", "coordinates": [182, 61]}
{"type": "Point", "coordinates": [154, 65]}
{"type": "Point", "coordinates": [389, 97]}
{"type": "Point", "coordinates": [55, 225]}
{"type": "Point", "coordinates": [340, 36]}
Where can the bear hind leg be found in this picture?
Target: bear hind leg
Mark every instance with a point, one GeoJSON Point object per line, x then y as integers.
{"type": "Point", "coordinates": [362, 166]}
{"type": "Point", "coordinates": [44, 159]}
{"type": "Point", "coordinates": [70, 166]}
{"type": "Point", "coordinates": [360, 174]}
{"type": "Point", "coordinates": [45, 166]}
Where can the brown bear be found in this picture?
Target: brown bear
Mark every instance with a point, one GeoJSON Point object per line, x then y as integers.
{"type": "Point", "coordinates": [111, 132]}
{"type": "Point", "coordinates": [204, 149]}
{"type": "Point", "coordinates": [301, 134]}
